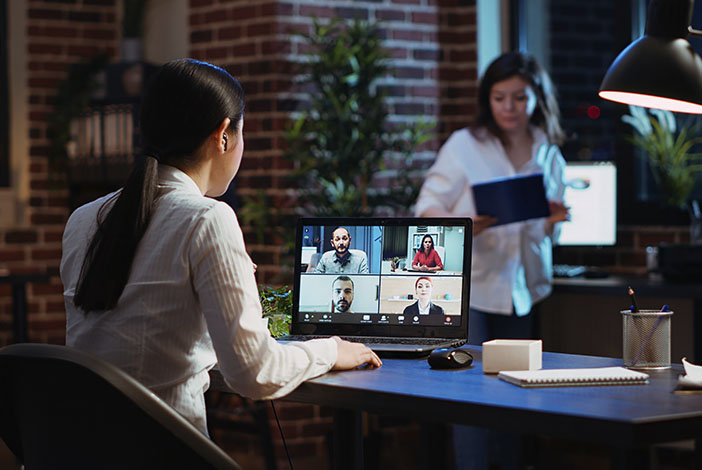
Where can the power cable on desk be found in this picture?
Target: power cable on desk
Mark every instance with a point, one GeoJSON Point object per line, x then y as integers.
{"type": "Point", "coordinates": [285, 445]}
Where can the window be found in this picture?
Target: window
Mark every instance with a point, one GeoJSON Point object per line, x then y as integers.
{"type": "Point", "coordinates": [576, 42]}
{"type": "Point", "coordinates": [4, 103]}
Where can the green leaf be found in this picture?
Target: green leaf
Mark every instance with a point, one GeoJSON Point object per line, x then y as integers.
{"type": "Point", "coordinates": [276, 305]}
{"type": "Point", "coordinates": [669, 150]}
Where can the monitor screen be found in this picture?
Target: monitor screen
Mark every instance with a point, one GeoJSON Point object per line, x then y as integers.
{"type": "Point", "coordinates": [377, 283]}
{"type": "Point", "coordinates": [591, 195]}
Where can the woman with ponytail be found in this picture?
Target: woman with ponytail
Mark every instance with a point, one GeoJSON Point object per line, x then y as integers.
{"type": "Point", "coordinates": [156, 275]}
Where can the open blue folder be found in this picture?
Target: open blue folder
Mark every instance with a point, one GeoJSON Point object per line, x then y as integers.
{"type": "Point", "coordinates": [512, 199]}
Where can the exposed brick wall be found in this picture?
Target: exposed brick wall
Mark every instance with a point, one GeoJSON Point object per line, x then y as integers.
{"type": "Point", "coordinates": [432, 50]}
{"type": "Point", "coordinates": [59, 33]}
{"type": "Point", "coordinates": [432, 44]}
{"type": "Point", "coordinates": [389, 441]}
{"type": "Point", "coordinates": [243, 37]}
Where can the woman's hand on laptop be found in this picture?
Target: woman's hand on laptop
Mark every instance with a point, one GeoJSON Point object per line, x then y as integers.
{"type": "Point", "coordinates": [351, 355]}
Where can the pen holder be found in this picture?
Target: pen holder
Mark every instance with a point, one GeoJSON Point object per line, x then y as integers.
{"type": "Point", "coordinates": [646, 339]}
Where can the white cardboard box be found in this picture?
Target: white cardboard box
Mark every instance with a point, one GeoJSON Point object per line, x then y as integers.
{"type": "Point", "coordinates": [511, 354]}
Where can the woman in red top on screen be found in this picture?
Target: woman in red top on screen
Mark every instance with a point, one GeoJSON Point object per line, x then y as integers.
{"type": "Point", "coordinates": [427, 259]}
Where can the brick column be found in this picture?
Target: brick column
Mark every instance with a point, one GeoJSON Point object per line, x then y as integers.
{"type": "Point", "coordinates": [432, 49]}
{"type": "Point", "coordinates": [59, 34]}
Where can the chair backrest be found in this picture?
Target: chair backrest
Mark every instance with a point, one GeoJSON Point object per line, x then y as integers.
{"type": "Point", "coordinates": [63, 408]}
{"type": "Point", "coordinates": [314, 259]}
{"type": "Point", "coordinates": [440, 251]}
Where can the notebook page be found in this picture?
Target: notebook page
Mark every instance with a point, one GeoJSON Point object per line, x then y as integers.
{"type": "Point", "coordinates": [574, 377]}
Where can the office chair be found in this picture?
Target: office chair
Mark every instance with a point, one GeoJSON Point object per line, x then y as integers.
{"type": "Point", "coordinates": [61, 408]}
{"type": "Point", "coordinates": [441, 251]}
{"type": "Point", "coordinates": [314, 259]}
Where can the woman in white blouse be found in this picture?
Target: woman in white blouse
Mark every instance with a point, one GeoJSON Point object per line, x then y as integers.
{"type": "Point", "coordinates": [156, 276]}
{"type": "Point", "coordinates": [516, 133]}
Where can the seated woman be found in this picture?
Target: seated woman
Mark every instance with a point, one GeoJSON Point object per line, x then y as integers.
{"type": "Point", "coordinates": [427, 259]}
{"type": "Point", "coordinates": [423, 287]}
{"type": "Point", "coordinates": [156, 276]}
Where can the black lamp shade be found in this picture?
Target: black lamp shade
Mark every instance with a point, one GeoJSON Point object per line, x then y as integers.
{"type": "Point", "coordinates": [659, 70]}
{"type": "Point", "coordinates": [656, 72]}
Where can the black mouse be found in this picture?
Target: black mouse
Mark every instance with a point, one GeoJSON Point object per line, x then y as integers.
{"type": "Point", "coordinates": [447, 358]}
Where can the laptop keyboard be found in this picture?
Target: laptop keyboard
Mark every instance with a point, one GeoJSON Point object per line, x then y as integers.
{"type": "Point", "coordinates": [377, 340]}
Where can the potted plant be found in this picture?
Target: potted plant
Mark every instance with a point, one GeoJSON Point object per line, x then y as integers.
{"type": "Point", "coordinates": [341, 139]}
{"type": "Point", "coordinates": [276, 304]}
{"type": "Point", "coordinates": [394, 263]}
{"type": "Point", "coordinates": [669, 150]}
{"type": "Point", "coordinates": [344, 137]}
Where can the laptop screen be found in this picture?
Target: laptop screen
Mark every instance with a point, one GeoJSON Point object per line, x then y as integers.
{"type": "Point", "coordinates": [382, 276]}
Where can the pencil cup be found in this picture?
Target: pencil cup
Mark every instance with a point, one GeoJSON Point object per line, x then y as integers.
{"type": "Point", "coordinates": [646, 338]}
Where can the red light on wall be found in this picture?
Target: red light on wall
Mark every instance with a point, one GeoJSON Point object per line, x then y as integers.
{"type": "Point", "coordinates": [593, 112]}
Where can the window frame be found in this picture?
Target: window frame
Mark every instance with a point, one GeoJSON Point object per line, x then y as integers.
{"type": "Point", "coordinates": [4, 98]}
{"type": "Point", "coordinates": [638, 202]}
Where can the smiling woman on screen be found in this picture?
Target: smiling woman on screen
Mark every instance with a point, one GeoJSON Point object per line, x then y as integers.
{"type": "Point", "coordinates": [423, 288]}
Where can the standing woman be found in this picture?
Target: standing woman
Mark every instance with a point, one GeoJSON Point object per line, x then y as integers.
{"type": "Point", "coordinates": [516, 133]}
{"type": "Point", "coordinates": [427, 259]}
{"type": "Point", "coordinates": [156, 275]}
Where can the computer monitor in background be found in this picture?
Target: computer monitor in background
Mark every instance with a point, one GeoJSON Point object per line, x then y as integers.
{"type": "Point", "coordinates": [591, 194]}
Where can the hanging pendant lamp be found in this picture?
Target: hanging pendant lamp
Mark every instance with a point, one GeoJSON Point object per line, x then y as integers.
{"type": "Point", "coordinates": [659, 70]}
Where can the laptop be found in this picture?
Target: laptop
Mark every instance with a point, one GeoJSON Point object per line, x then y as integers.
{"type": "Point", "coordinates": [354, 279]}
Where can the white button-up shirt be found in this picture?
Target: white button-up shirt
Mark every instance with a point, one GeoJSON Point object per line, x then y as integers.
{"type": "Point", "coordinates": [191, 301]}
{"type": "Point", "coordinates": [512, 263]}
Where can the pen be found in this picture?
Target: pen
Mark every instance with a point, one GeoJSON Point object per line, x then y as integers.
{"type": "Point", "coordinates": [634, 306]}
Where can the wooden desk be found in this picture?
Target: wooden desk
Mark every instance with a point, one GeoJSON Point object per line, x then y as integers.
{"type": "Point", "coordinates": [19, 301]}
{"type": "Point", "coordinates": [643, 286]}
{"type": "Point", "coordinates": [629, 417]}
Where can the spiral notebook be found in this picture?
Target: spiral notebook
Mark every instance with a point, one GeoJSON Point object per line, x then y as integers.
{"type": "Point", "coordinates": [574, 377]}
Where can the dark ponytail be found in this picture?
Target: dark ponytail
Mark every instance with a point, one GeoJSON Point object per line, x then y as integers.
{"type": "Point", "coordinates": [186, 101]}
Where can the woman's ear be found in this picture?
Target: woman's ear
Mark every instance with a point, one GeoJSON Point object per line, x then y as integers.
{"type": "Point", "coordinates": [221, 138]}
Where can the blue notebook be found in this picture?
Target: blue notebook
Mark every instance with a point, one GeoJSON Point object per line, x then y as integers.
{"type": "Point", "coordinates": [512, 199]}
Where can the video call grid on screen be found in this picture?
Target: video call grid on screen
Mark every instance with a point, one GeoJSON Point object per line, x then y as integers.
{"type": "Point", "coordinates": [388, 292]}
